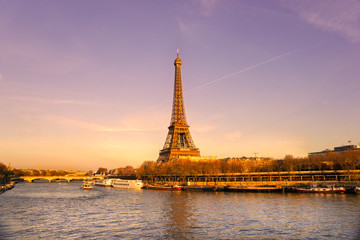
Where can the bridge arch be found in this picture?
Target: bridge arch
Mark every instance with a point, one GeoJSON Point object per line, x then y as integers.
{"type": "Point", "coordinates": [30, 179]}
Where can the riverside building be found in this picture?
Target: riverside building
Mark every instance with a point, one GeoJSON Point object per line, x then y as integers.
{"type": "Point", "coordinates": [339, 149]}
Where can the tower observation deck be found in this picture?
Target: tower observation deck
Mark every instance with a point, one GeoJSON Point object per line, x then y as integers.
{"type": "Point", "coordinates": [178, 141]}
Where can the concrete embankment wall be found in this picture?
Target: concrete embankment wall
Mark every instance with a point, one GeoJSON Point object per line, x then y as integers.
{"type": "Point", "coordinates": [6, 187]}
{"type": "Point", "coordinates": [265, 183]}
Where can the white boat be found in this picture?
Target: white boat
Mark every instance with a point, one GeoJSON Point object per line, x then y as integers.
{"type": "Point", "coordinates": [316, 189]}
{"type": "Point", "coordinates": [123, 183]}
{"type": "Point", "coordinates": [87, 185]}
{"type": "Point", "coordinates": [104, 182]}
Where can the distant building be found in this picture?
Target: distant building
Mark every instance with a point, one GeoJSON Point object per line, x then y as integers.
{"type": "Point", "coordinates": [339, 149]}
{"type": "Point", "coordinates": [346, 147]}
{"type": "Point", "coordinates": [259, 159]}
{"type": "Point", "coordinates": [196, 158]}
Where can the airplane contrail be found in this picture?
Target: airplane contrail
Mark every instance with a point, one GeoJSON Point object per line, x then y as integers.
{"type": "Point", "coordinates": [216, 81]}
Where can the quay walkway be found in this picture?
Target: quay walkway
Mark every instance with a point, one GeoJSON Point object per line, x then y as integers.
{"type": "Point", "coordinates": [343, 177]}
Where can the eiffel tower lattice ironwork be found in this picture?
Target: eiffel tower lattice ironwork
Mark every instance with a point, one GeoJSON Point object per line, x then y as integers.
{"type": "Point", "coordinates": [178, 141]}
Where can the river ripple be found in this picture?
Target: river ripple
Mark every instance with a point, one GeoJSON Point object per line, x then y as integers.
{"type": "Point", "coordinates": [65, 211]}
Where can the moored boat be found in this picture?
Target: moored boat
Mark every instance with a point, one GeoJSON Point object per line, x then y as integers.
{"type": "Point", "coordinates": [87, 185]}
{"type": "Point", "coordinates": [104, 182]}
{"type": "Point", "coordinates": [164, 187]}
{"type": "Point", "coordinates": [316, 189]}
{"type": "Point", "coordinates": [202, 188]}
{"type": "Point", "coordinates": [254, 189]}
{"type": "Point", "coordinates": [123, 183]}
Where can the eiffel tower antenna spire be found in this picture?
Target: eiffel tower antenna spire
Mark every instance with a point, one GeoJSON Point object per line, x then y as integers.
{"type": "Point", "coordinates": [178, 141]}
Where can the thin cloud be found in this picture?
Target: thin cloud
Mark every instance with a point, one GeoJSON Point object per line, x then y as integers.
{"type": "Point", "coordinates": [202, 8]}
{"type": "Point", "coordinates": [206, 7]}
{"type": "Point", "coordinates": [203, 128]}
{"type": "Point", "coordinates": [187, 28]}
{"type": "Point", "coordinates": [234, 136]}
{"type": "Point", "coordinates": [50, 101]}
{"type": "Point", "coordinates": [88, 125]}
{"type": "Point", "coordinates": [93, 126]}
{"type": "Point", "coordinates": [340, 17]}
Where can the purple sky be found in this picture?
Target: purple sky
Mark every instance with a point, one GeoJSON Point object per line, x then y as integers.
{"type": "Point", "coordinates": [85, 84]}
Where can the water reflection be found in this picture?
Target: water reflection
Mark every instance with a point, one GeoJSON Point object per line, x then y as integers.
{"type": "Point", "coordinates": [63, 210]}
{"type": "Point", "coordinates": [178, 215]}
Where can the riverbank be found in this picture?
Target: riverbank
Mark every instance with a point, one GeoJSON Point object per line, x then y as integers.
{"type": "Point", "coordinates": [265, 180]}
{"type": "Point", "coordinates": [6, 187]}
{"type": "Point", "coordinates": [325, 187]}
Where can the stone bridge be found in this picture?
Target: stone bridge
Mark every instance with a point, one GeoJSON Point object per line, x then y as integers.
{"type": "Point", "coordinates": [59, 178]}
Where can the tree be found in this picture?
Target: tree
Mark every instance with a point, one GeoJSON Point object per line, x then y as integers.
{"type": "Point", "coordinates": [236, 166]}
{"type": "Point", "coordinates": [146, 169]}
{"type": "Point", "coordinates": [5, 174]}
{"type": "Point", "coordinates": [289, 163]}
{"type": "Point", "coordinates": [36, 173]}
{"type": "Point", "coordinates": [3, 168]}
{"type": "Point", "coordinates": [127, 171]}
{"type": "Point", "coordinates": [351, 159]}
{"type": "Point", "coordinates": [19, 173]}
{"type": "Point", "coordinates": [102, 171]}
{"type": "Point", "coordinates": [317, 162]}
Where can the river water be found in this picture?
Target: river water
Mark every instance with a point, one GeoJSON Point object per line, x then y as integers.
{"type": "Point", "coordinates": [65, 211]}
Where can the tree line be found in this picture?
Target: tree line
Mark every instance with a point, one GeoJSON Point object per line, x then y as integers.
{"type": "Point", "coordinates": [35, 172]}
{"type": "Point", "coordinates": [5, 174]}
{"type": "Point", "coordinates": [125, 171]}
{"type": "Point", "coordinates": [349, 160]}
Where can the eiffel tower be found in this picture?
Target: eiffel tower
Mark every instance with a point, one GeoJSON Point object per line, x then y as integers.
{"type": "Point", "coordinates": [178, 141]}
